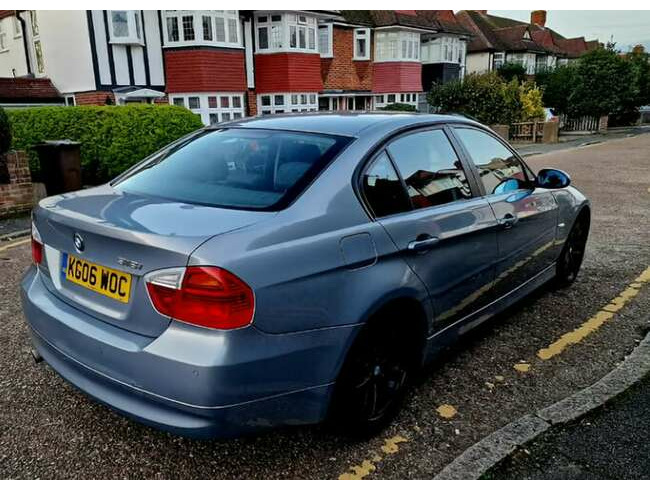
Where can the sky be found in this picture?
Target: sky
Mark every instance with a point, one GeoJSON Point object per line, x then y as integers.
{"type": "Point", "coordinates": [629, 27]}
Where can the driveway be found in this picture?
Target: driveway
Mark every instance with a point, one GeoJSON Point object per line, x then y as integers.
{"type": "Point", "coordinates": [49, 430]}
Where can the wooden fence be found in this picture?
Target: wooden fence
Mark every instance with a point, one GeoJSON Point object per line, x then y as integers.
{"type": "Point", "coordinates": [531, 131]}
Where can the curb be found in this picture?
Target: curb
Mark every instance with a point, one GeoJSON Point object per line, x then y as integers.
{"type": "Point", "coordinates": [16, 234]}
{"type": "Point", "coordinates": [486, 453]}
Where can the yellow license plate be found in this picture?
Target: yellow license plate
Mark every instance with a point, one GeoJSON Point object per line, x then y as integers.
{"type": "Point", "coordinates": [102, 280]}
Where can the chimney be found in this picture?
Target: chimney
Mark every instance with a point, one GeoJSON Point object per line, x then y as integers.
{"type": "Point", "coordinates": [538, 17]}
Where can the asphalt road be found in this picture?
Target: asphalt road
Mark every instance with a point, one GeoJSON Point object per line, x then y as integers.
{"type": "Point", "coordinates": [49, 430]}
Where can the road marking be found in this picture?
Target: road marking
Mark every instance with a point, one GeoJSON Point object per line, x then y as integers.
{"type": "Point", "coordinates": [447, 411]}
{"type": "Point", "coordinates": [15, 244]}
{"type": "Point", "coordinates": [367, 466]}
{"type": "Point", "coordinates": [595, 322]}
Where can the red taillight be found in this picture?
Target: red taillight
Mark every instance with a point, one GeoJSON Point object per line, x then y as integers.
{"type": "Point", "coordinates": [208, 297]}
{"type": "Point", "coordinates": [37, 246]}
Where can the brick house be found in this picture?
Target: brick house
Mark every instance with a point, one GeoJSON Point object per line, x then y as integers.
{"type": "Point", "coordinates": [499, 40]}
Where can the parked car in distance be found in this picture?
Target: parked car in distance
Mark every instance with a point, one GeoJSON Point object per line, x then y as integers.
{"type": "Point", "coordinates": [291, 269]}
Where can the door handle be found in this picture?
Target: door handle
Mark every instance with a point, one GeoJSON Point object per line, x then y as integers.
{"type": "Point", "coordinates": [422, 243]}
{"type": "Point", "coordinates": [508, 221]}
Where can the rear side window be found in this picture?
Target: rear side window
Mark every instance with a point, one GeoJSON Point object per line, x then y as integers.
{"type": "Point", "coordinates": [430, 168]}
{"type": "Point", "coordinates": [500, 170]}
{"type": "Point", "coordinates": [238, 168]}
{"type": "Point", "coordinates": [383, 189]}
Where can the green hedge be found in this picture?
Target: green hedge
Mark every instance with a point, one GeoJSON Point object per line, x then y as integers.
{"type": "Point", "coordinates": [398, 106]}
{"type": "Point", "coordinates": [113, 138]}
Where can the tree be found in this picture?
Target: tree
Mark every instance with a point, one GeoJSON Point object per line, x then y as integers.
{"type": "Point", "coordinates": [508, 71]}
{"type": "Point", "coordinates": [5, 132]}
{"type": "Point", "coordinates": [603, 84]}
{"type": "Point", "coordinates": [557, 85]}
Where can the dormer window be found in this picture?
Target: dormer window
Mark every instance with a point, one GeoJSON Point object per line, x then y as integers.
{"type": "Point", "coordinates": [527, 35]}
{"type": "Point", "coordinates": [202, 27]}
{"type": "Point", "coordinates": [125, 27]}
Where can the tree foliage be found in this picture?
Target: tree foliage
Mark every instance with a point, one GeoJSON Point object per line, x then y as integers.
{"type": "Point", "coordinates": [112, 138]}
{"type": "Point", "coordinates": [488, 98]}
{"type": "Point", "coordinates": [5, 132]}
{"type": "Point", "coordinates": [557, 86]}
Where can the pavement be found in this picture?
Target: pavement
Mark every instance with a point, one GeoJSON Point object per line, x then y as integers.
{"type": "Point", "coordinates": [10, 227]}
{"type": "Point", "coordinates": [609, 443]}
{"type": "Point", "coordinates": [492, 378]}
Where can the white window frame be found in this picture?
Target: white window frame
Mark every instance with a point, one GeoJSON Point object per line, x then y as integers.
{"type": "Point", "coordinates": [382, 100]}
{"type": "Point", "coordinates": [134, 24]}
{"type": "Point", "coordinates": [291, 102]}
{"type": "Point", "coordinates": [498, 63]}
{"type": "Point", "coordinates": [204, 110]}
{"type": "Point", "coordinates": [444, 49]}
{"type": "Point", "coordinates": [327, 50]}
{"type": "Point", "coordinates": [3, 38]}
{"type": "Point", "coordinates": [362, 33]}
{"type": "Point", "coordinates": [293, 21]}
{"type": "Point", "coordinates": [229, 17]}
{"type": "Point", "coordinates": [18, 29]}
{"type": "Point", "coordinates": [389, 46]}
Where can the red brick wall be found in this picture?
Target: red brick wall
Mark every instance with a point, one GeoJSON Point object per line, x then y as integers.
{"type": "Point", "coordinates": [287, 72]}
{"type": "Point", "coordinates": [93, 98]}
{"type": "Point", "coordinates": [397, 76]}
{"type": "Point", "coordinates": [251, 97]}
{"type": "Point", "coordinates": [341, 72]}
{"type": "Point", "coordinates": [205, 70]}
{"type": "Point", "coordinates": [17, 195]}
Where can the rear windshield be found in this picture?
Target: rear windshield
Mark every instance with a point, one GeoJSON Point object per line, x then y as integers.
{"type": "Point", "coordinates": [236, 168]}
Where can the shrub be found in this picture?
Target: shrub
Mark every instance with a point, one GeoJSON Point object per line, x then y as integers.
{"type": "Point", "coordinates": [508, 71]}
{"type": "Point", "coordinates": [532, 106]}
{"type": "Point", "coordinates": [5, 132]}
{"type": "Point", "coordinates": [486, 97]}
{"type": "Point", "coordinates": [557, 86]}
{"type": "Point", "coordinates": [398, 106]}
{"type": "Point", "coordinates": [112, 138]}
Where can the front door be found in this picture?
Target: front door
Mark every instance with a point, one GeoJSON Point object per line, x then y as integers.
{"type": "Point", "coordinates": [527, 216]}
{"type": "Point", "coordinates": [444, 229]}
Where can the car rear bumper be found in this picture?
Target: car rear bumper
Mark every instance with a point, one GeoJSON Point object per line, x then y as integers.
{"type": "Point", "coordinates": [191, 381]}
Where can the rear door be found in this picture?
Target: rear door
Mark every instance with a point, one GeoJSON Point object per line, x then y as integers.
{"type": "Point", "coordinates": [527, 216]}
{"type": "Point", "coordinates": [429, 204]}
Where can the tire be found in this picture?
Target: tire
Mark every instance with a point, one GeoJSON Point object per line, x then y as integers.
{"type": "Point", "coordinates": [573, 252]}
{"type": "Point", "coordinates": [374, 378]}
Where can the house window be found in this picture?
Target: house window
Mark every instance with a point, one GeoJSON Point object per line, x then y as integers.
{"type": "Point", "coordinates": [38, 50]}
{"type": "Point", "coordinates": [383, 100]}
{"type": "Point", "coordinates": [202, 27]}
{"type": "Point", "coordinates": [213, 108]}
{"type": "Point", "coordinates": [34, 22]}
{"type": "Point", "coordinates": [282, 103]}
{"type": "Point", "coordinates": [3, 37]}
{"type": "Point", "coordinates": [125, 27]}
{"type": "Point", "coordinates": [497, 60]}
{"type": "Point", "coordinates": [541, 63]}
{"type": "Point", "coordinates": [397, 46]}
{"type": "Point", "coordinates": [285, 32]}
{"type": "Point", "coordinates": [325, 40]}
{"type": "Point", "coordinates": [361, 44]}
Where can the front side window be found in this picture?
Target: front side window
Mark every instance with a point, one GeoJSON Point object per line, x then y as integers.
{"type": "Point", "coordinates": [430, 168]}
{"type": "Point", "coordinates": [213, 108]}
{"type": "Point", "coordinates": [325, 40]}
{"type": "Point", "coordinates": [282, 103]}
{"type": "Point", "coordinates": [500, 170]}
{"type": "Point", "coordinates": [286, 32]}
{"type": "Point", "coordinates": [383, 189]}
{"type": "Point", "coordinates": [240, 168]}
{"type": "Point", "coordinates": [397, 46]}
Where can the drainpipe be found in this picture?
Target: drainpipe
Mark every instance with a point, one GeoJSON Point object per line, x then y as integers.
{"type": "Point", "coordinates": [23, 28]}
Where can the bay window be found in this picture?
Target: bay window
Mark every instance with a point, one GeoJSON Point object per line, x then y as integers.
{"type": "Point", "coordinates": [125, 26]}
{"type": "Point", "coordinates": [397, 46]}
{"type": "Point", "coordinates": [212, 107]}
{"type": "Point", "coordinates": [284, 103]}
{"type": "Point", "coordinates": [445, 49]}
{"type": "Point", "coordinates": [362, 44]}
{"type": "Point", "coordinates": [286, 32]}
{"type": "Point", "coordinates": [202, 27]}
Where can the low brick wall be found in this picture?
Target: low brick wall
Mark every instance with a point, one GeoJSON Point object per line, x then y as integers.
{"type": "Point", "coordinates": [16, 196]}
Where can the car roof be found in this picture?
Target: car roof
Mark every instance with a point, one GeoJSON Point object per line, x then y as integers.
{"type": "Point", "coordinates": [341, 123]}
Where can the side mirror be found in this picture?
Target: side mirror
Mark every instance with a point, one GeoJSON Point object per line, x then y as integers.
{"type": "Point", "coordinates": [551, 178]}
